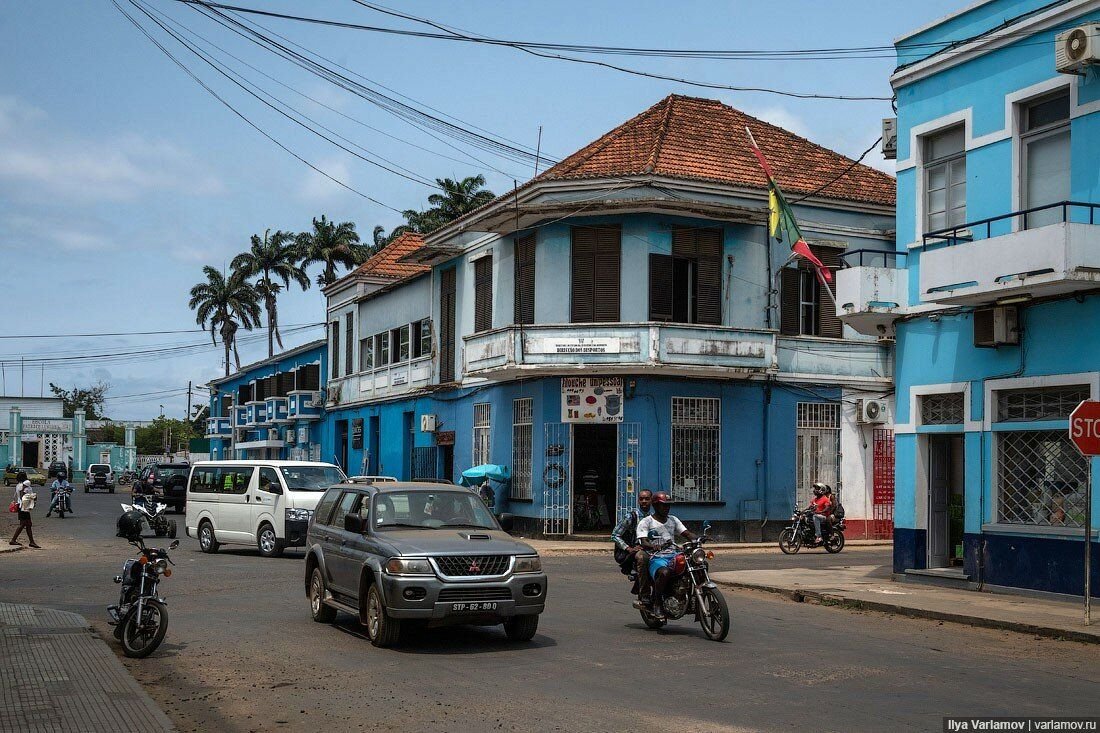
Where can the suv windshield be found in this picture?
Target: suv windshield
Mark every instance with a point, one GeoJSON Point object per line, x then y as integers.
{"type": "Point", "coordinates": [431, 510]}
{"type": "Point", "coordinates": [100, 469]}
{"type": "Point", "coordinates": [311, 478]}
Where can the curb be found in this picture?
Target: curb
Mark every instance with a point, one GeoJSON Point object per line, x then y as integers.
{"type": "Point", "coordinates": [831, 599]}
{"type": "Point", "coordinates": [600, 549]}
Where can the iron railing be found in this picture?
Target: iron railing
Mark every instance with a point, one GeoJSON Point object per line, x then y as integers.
{"type": "Point", "coordinates": [965, 232]}
{"type": "Point", "coordinates": [887, 258]}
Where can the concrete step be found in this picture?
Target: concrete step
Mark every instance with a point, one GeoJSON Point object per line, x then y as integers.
{"type": "Point", "coordinates": [943, 577]}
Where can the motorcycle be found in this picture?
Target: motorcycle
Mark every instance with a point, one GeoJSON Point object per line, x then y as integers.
{"type": "Point", "coordinates": [126, 477]}
{"type": "Point", "coordinates": [690, 590]}
{"type": "Point", "coordinates": [141, 616]}
{"type": "Point", "coordinates": [61, 501]}
{"type": "Point", "coordinates": [153, 513]}
{"type": "Point", "coordinates": [801, 533]}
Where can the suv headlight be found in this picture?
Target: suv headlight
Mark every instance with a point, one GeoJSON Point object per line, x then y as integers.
{"type": "Point", "coordinates": [298, 515]}
{"type": "Point", "coordinates": [527, 564]}
{"type": "Point", "coordinates": [408, 566]}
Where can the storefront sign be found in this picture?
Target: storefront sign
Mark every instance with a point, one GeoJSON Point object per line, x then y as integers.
{"type": "Point", "coordinates": [592, 399]}
{"type": "Point", "coordinates": [445, 437]}
{"type": "Point", "coordinates": [580, 346]}
{"type": "Point", "coordinates": [47, 425]}
{"type": "Point", "coordinates": [357, 434]}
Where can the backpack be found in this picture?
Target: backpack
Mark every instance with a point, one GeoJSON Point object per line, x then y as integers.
{"type": "Point", "coordinates": [838, 509]}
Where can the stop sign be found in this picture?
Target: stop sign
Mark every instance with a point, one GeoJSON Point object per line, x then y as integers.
{"type": "Point", "coordinates": [1084, 428]}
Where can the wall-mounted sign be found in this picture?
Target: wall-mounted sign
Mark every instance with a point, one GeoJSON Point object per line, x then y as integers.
{"type": "Point", "coordinates": [47, 425]}
{"type": "Point", "coordinates": [399, 378]}
{"type": "Point", "coordinates": [445, 437]}
{"type": "Point", "coordinates": [580, 345]}
{"type": "Point", "coordinates": [357, 434]}
{"type": "Point", "coordinates": [592, 399]}
{"type": "Point", "coordinates": [291, 436]}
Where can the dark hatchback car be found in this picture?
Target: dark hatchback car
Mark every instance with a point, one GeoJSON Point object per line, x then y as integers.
{"type": "Point", "coordinates": [170, 482]}
{"type": "Point", "coordinates": [398, 555]}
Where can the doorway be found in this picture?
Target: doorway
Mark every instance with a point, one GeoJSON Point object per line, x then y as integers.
{"type": "Point", "coordinates": [30, 454]}
{"type": "Point", "coordinates": [595, 473]}
{"type": "Point", "coordinates": [946, 482]}
{"type": "Point", "coordinates": [342, 445]}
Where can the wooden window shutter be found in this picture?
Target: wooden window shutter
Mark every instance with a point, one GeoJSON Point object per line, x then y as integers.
{"type": "Point", "coordinates": [583, 265]}
{"type": "Point", "coordinates": [660, 287]}
{"type": "Point", "coordinates": [828, 323]}
{"type": "Point", "coordinates": [525, 280]}
{"type": "Point", "coordinates": [790, 279]}
{"type": "Point", "coordinates": [447, 326]}
{"type": "Point", "coordinates": [608, 273]}
{"type": "Point", "coordinates": [708, 287]}
{"type": "Point", "coordinates": [483, 294]}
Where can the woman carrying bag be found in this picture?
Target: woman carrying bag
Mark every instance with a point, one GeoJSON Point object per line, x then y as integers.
{"type": "Point", "coordinates": [24, 501]}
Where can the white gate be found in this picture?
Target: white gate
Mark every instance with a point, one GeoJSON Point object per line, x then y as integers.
{"type": "Point", "coordinates": [627, 494]}
{"type": "Point", "coordinates": [556, 474]}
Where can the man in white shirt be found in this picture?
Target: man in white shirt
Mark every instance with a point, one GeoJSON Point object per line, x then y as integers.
{"type": "Point", "coordinates": [653, 532]}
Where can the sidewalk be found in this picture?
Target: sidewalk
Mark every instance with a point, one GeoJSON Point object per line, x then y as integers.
{"type": "Point", "coordinates": [57, 675]}
{"type": "Point", "coordinates": [870, 587]}
{"type": "Point", "coordinates": [595, 545]}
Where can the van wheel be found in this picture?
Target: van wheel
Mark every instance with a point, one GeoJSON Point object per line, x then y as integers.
{"type": "Point", "coordinates": [382, 630]}
{"type": "Point", "coordinates": [321, 613]}
{"type": "Point", "coordinates": [207, 543]}
{"type": "Point", "coordinates": [269, 544]}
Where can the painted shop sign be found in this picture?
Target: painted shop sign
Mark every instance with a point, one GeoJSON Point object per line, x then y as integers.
{"type": "Point", "coordinates": [47, 425]}
{"type": "Point", "coordinates": [579, 345]}
{"type": "Point", "coordinates": [592, 399]}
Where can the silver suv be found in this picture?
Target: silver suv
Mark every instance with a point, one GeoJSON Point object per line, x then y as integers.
{"type": "Point", "coordinates": [397, 554]}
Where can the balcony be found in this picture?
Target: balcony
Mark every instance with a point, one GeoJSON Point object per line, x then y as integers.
{"type": "Point", "coordinates": [385, 381]}
{"type": "Point", "coordinates": [240, 416]}
{"type": "Point", "coordinates": [1040, 252]}
{"type": "Point", "coordinates": [852, 362]}
{"type": "Point", "coordinates": [515, 351]}
{"type": "Point", "coordinates": [218, 427]}
{"type": "Point", "coordinates": [276, 408]}
{"type": "Point", "coordinates": [256, 413]}
{"type": "Point", "coordinates": [871, 291]}
{"type": "Point", "coordinates": [303, 404]}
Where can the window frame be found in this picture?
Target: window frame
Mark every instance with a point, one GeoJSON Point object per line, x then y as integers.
{"type": "Point", "coordinates": [523, 439]}
{"type": "Point", "coordinates": [481, 434]}
{"type": "Point", "coordinates": [334, 360]}
{"type": "Point", "coordinates": [948, 163]}
{"type": "Point", "coordinates": [714, 406]}
{"type": "Point", "coordinates": [1028, 136]}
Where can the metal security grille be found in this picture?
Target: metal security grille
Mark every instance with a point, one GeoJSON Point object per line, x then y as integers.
{"type": "Point", "coordinates": [464, 566]}
{"type": "Point", "coordinates": [942, 409]}
{"type": "Point", "coordinates": [481, 433]}
{"type": "Point", "coordinates": [1041, 479]}
{"type": "Point", "coordinates": [817, 448]}
{"type": "Point", "coordinates": [627, 475]}
{"type": "Point", "coordinates": [555, 479]}
{"type": "Point", "coordinates": [882, 496]}
{"type": "Point", "coordinates": [1049, 403]}
{"type": "Point", "coordinates": [425, 462]}
{"type": "Point", "coordinates": [696, 449]}
{"type": "Point", "coordinates": [522, 429]}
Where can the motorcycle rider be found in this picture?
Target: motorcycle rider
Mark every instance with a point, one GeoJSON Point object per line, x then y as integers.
{"type": "Point", "coordinates": [625, 536]}
{"type": "Point", "coordinates": [820, 505]}
{"type": "Point", "coordinates": [144, 491]}
{"type": "Point", "coordinates": [60, 485]}
{"type": "Point", "coordinates": [654, 532]}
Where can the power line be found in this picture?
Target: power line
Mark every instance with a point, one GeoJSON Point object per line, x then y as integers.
{"type": "Point", "coordinates": [126, 333]}
{"type": "Point", "coordinates": [843, 173]}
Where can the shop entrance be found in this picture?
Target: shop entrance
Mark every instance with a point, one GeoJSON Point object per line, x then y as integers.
{"type": "Point", "coordinates": [945, 500]}
{"type": "Point", "coordinates": [595, 476]}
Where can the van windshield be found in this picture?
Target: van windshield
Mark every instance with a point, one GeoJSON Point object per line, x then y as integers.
{"type": "Point", "coordinates": [311, 478]}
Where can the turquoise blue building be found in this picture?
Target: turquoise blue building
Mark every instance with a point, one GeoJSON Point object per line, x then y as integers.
{"type": "Point", "coordinates": [992, 293]}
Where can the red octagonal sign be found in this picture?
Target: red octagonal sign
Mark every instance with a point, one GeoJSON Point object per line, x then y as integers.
{"type": "Point", "coordinates": [1084, 428]}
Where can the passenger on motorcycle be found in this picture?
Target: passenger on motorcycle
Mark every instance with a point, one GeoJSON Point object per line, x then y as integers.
{"type": "Point", "coordinates": [59, 485]}
{"type": "Point", "coordinates": [626, 532]}
{"type": "Point", "coordinates": [653, 533]}
{"type": "Point", "coordinates": [820, 504]}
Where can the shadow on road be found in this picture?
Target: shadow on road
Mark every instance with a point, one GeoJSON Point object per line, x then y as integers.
{"type": "Point", "coordinates": [450, 639]}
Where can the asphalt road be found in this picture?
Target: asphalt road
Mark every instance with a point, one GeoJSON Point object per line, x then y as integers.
{"type": "Point", "coordinates": [243, 655]}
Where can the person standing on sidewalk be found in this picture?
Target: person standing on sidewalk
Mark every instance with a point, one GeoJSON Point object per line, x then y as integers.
{"type": "Point", "coordinates": [24, 497]}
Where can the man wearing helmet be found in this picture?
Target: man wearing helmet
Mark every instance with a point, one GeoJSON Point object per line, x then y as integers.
{"type": "Point", "coordinates": [625, 535]}
{"type": "Point", "coordinates": [820, 505]}
{"type": "Point", "coordinates": [654, 532]}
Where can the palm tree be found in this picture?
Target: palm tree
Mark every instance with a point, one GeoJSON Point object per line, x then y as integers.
{"type": "Point", "coordinates": [225, 304]}
{"type": "Point", "coordinates": [273, 258]}
{"type": "Point", "coordinates": [459, 197]}
{"type": "Point", "coordinates": [331, 244]}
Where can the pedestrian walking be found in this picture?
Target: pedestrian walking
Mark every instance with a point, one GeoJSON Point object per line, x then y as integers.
{"type": "Point", "coordinates": [24, 499]}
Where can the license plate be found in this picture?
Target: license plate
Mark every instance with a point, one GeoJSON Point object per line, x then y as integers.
{"type": "Point", "coordinates": [475, 607]}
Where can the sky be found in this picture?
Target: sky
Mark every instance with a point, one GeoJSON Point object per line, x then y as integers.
{"type": "Point", "coordinates": [121, 177]}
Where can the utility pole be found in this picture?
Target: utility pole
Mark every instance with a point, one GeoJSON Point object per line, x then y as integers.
{"type": "Point", "coordinates": [187, 416]}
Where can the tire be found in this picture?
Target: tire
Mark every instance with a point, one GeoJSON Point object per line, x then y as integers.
{"type": "Point", "coordinates": [110, 491]}
{"type": "Point", "coordinates": [835, 543]}
{"type": "Point", "coordinates": [268, 543]}
{"type": "Point", "coordinates": [789, 543]}
{"type": "Point", "coordinates": [60, 514]}
{"type": "Point", "coordinates": [86, 490]}
{"type": "Point", "coordinates": [138, 643]}
{"type": "Point", "coordinates": [171, 529]}
{"type": "Point", "coordinates": [521, 628]}
{"type": "Point", "coordinates": [382, 630]}
{"type": "Point", "coordinates": [207, 542]}
{"type": "Point", "coordinates": [320, 613]}
{"type": "Point", "coordinates": [160, 531]}
{"type": "Point", "coordinates": [652, 621]}
{"type": "Point", "coordinates": [715, 619]}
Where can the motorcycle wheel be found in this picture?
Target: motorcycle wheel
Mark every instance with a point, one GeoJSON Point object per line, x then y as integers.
{"type": "Point", "coordinates": [652, 621]}
{"type": "Point", "coordinates": [140, 638]}
{"type": "Point", "coordinates": [715, 617]}
{"type": "Point", "coordinates": [789, 542]}
{"type": "Point", "coordinates": [835, 543]}
{"type": "Point", "coordinates": [160, 530]}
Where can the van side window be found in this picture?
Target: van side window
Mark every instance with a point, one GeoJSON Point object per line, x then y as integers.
{"type": "Point", "coordinates": [233, 480]}
{"type": "Point", "coordinates": [324, 507]}
{"type": "Point", "coordinates": [204, 480]}
{"type": "Point", "coordinates": [347, 501]}
{"type": "Point", "coordinates": [269, 479]}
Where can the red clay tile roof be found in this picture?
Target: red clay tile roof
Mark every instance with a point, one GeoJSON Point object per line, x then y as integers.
{"type": "Point", "coordinates": [387, 263]}
{"type": "Point", "coordinates": [703, 139]}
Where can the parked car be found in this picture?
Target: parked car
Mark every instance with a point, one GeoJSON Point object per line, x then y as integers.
{"type": "Point", "coordinates": [170, 483]}
{"type": "Point", "coordinates": [394, 554]}
{"type": "Point", "coordinates": [33, 475]}
{"type": "Point", "coordinates": [267, 504]}
{"type": "Point", "coordinates": [371, 479]}
{"type": "Point", "coordinates": [101, 477]}
{"type": "Point", "coordinates": [58, 468]}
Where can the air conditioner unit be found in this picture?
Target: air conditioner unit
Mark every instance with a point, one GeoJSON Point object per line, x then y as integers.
{"type": "Point", "coordinates": [1077, 48]}
{"type": "Point", "coordinates": [871, 412]}
{"type": "Point", "coordinates": [997, 326]}
{"type": "Point", "coordinates": [427, 423]}
{"type": "Point", "coordinates": [314, 400]}
{"type": "Point", "coordinates": [273, 433]}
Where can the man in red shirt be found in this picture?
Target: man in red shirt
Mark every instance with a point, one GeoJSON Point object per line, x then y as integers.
{"type": "Point", "coordinates": [820, 505]}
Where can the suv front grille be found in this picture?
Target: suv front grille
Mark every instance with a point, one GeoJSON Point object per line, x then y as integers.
{"type": "Point", "coordinates": [463, 566]}
{"type": "Point", "coordinates": [475, 594]}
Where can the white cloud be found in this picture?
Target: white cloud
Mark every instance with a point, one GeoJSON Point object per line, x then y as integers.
{"type": "Point", "coordinates": [317, 188]}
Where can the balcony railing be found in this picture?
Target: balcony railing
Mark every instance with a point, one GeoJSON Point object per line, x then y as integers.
{"type": "Point", "coordinates": [871, 289]}
{"type": "Point", "coordinates": [383, 381]}
{"type": "Point", "coordinates": [218, 427]}
{"type": "Point", "coordinates": [1062, 212]}
{"type": "Point", "coordinates": [887, 258]}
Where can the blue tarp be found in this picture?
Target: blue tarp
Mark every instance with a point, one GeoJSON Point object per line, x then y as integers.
{"type": "Point", "coordinates": [477, 474]}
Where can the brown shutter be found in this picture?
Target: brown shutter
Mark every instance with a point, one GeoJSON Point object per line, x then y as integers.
{"type": "Point", "coordinates": [828, 323]}
{"type": "Point", "coordinates": [608, 274]}
{"type": "Point", "coordinates": [483, 294]}
{"type": "Point", "coordinates": [790, 279]}
{"type": "Point", "coordinates": [286, 383]}
{"type": "Point", "coordinates": [660, 287]}
{"type": "Point", "coordinates": [447, 326]}
{"type": "Point", "coordinates": [334, 329]}
{"type": "Point", "coordinates": [309, 377]}
{"type": "Point", "coordinates": [524, 257]}
{"type": "Point", "coordinates": [583, 259]}
{"type": "Point", "coordinates": [708, 290]}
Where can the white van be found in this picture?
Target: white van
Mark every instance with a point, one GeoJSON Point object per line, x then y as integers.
{"type": "Point", "coordinates": [263, 503]}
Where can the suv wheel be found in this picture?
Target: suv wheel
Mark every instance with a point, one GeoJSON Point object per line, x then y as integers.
{"type": "Point", "coordinates": [521, 628]}
{"type": "Point", "coordinates": [270, 545]}
{"type": "Point", "coordinates": [321, 613]}
{"type": "Point", "coordinates": [207, 543]}
{"type": "Point", "coordinates": [382, 630]}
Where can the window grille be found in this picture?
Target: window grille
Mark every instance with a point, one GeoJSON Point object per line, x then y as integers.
{"type": "Point", "coordinates": [481, 433]}
{"type": "Point", "coordinates": [1041, 479]}
{"type": "Point", "coordinates": [817, 448]}
{"type": "Point", "coordinates": [522, 429]}
{"type": "Point", "coordinates": [696, 449]}
{"type": "Point", "coordinates": [1048, 403]}
{"type": "Point", "coordinates": [942, 409]}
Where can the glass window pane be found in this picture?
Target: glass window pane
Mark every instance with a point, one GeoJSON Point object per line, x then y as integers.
{"type": "Point", "coordinates": [937, 177]}
{"type": "Point", "coordinates": [937, 201]}
{"type": "Point", "coordinates": [937, 221]}
{"type": "Point", "coordinates": [957, 196]}
{"type": "Point", "coordinates": [1048, 163]}
{"type": "Point", "coordinates": [1047, 112]}
{"type": "Point", "coordinates": [946, 143]}
{"type": "Point", "coordinates": [957, 172]}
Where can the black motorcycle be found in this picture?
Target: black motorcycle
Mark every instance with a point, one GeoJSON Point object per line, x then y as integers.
{"type": "Point", "coordinates": [801, 534]}
{"type": "Point", "coordinates": [141, 616]}
{"type": "Point", "coordinates": [61, 502]}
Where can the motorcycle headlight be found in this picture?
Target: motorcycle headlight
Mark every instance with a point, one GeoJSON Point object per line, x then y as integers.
{"type": "Point", "coordinates": [161, 565]}
{"type": "Point", "coordinates": [527, 564]}
{"type": "Point", "coordinates": [699, 556]}
{"type": "Point", "coordinates": [299, 515]}
{"type": "Point", "coordinates": [408, 566]}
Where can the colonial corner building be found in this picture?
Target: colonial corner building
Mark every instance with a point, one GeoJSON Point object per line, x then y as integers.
{"type": "Point", "coordinates": [992, 295]}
